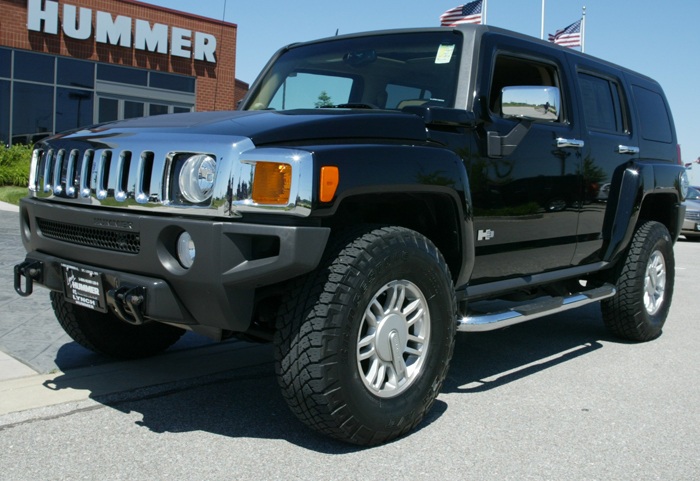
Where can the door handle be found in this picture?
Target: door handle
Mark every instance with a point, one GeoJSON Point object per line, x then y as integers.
{"type": "Point", "coordinates": [577, 144]}
{"type": "Point", "coordinates": [626, 149]}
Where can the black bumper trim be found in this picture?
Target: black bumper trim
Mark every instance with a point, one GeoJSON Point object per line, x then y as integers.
{"type": "Point", "coordinates": [217, 291]}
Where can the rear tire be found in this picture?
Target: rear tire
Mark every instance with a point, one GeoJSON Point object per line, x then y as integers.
{"type": "Point", "coordinates": [105, 333]}
{"type": "Point", "coordinates": [644, 282]}
{"type": "Point", "coordinates": [364, 342]}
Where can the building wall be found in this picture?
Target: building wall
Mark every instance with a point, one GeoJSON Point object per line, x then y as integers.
{"type": "Point", "coordinates": [210, 94]}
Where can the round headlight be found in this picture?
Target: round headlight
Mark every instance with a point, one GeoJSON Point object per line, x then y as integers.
{"type": "Point", "coordinates": [197, 178]}
{"type": "Point", "coordinates": [685, 183]}
{"type": "Point", "coordinates": [185, 250]}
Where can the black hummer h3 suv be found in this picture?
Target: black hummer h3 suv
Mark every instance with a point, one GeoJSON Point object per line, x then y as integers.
{"type": "Point", "coordinates": [369, 191]}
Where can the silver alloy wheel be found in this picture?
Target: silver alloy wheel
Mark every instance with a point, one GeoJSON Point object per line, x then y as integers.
{"type": "Point", "coordinates": [393, 339]}
{"type": "Point", "coordinates": [654, 282]}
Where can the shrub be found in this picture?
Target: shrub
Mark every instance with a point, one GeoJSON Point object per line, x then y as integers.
{"type": "Point", "coordinates": [14, 164]}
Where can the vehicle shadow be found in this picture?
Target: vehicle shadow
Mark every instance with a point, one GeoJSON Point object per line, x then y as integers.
{"type": "Point", "coordinates": [246, 403]}
{"type": "Point", "coordinates": [241, 403]}
{"type": "Point", "coordinates": [488, 360]}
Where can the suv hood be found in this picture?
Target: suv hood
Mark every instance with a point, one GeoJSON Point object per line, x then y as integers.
{"type": "Point", "coordinates": [272, 127]}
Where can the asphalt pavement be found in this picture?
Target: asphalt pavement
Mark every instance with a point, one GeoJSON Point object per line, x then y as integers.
{"type": "Point", "coordinates": [29, 331]}
{"type": "Point", "coordinates": [556, 398]}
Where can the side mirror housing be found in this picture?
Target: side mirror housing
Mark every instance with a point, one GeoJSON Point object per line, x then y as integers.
{"type": "Point", "coordinates": [530, 102]}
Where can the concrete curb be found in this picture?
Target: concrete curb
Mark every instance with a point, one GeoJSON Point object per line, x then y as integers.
{"type": "Point", "coordinates": [8, 207]}
{"type": "Point", "coordinates": [37, 391]}
{"type": "Point", "coordinates": [12, 368]}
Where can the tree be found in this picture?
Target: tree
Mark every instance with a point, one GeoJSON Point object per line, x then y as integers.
{"type": "Point", "coordinates": [324, 100]}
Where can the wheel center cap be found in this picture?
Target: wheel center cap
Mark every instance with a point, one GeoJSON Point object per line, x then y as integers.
{"type": "Point", "coordinates": [393, 323]}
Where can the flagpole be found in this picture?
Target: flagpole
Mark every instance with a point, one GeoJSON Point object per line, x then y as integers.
{"type": "Point", "coordinates": [483, 20]}
{"type": "Point", "coordinates": [542, 31]}
{"type": "Point", "coordinates": [583, 32]}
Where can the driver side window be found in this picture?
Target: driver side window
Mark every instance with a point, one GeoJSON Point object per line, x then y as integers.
{"type": "Point", "coordinates": [513, 71]}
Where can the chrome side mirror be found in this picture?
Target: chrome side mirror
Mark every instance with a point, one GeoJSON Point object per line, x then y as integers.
{"type": "Point", "coordinates": [530, 102]}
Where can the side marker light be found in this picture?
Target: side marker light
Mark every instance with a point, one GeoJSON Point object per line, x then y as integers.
{"type": "Point", "coordinates": [329, 183]}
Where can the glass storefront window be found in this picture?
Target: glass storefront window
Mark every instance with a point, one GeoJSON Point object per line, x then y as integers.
{"type": "Point", "coordinates": [34, 67]}
{"type": "Point", "coordinates": [122, 75]}
{"type": "Point", "coordinates": [75, 73]}
{"type": "Point", "coordinates": [42, 94]}
{"type": "Point", "coordinates": [171, 82]}
{"type": "Point", "coordinates": [5, 111]}
{"type": "Point", "coordinates": [32, 112]}
{"type": "Point", "coordinates": [109, 110]}
{"type": "Point", "coordinates": [5, 62]}
{"type": "Point", "coordinates": [133, 109]}
{"type": "Point", "coordinates": [156, 109]}
{"type": "Point", "coordinates": [73, 109]}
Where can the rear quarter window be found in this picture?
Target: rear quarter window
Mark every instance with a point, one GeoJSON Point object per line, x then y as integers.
{"type": "Point", "coordinates": [653, 115]}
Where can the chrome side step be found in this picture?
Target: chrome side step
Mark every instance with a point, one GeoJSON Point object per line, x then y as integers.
{"type": "Point", "coordinates": [496, 320]}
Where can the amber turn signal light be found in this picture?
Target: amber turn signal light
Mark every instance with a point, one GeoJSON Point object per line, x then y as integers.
{"type": "Point", "coordinates": [329, 183]}
{"type": "Point", "coordinates": [272, 183]}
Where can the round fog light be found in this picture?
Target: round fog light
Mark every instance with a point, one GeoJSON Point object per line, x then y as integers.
{"type": "Point", "coordinates": [185, 250]}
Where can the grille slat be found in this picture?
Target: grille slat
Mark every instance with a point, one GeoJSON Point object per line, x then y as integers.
{"type": "Point", "coordinates": [107, 239]}
{"type": "Point", "coordinates": [692, 215]}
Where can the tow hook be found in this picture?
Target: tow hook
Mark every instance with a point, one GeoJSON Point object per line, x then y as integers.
{"type": "Point", "coordinates": [31, 271]}
{"type": "Point", "coordinates": [127, 301]}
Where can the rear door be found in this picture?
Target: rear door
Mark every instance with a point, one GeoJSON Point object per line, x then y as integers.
{"type": "Point", "coordinates": [610, 142]}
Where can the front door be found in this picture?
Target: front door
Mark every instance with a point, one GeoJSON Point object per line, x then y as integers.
{"type": "Point", "coordinates": [526, 203]}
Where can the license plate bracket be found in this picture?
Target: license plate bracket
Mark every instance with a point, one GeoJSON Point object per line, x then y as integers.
{"type": "Point", "coordinates": [84, 287]}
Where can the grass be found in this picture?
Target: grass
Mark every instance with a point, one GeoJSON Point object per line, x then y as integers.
{"type": "Point", "coordinates": [12, 194]}
{"type": "Point", "coordinates": [14, 164]}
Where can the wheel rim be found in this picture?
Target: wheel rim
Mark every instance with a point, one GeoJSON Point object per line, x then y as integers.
{"type": "Point", "coordinates": [393, 339]}
{"type": "Point", "coordinates": [654, 282]}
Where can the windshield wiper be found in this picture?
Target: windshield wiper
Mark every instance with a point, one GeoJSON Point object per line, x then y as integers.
{"type": "Point", "coordinates": [357, 105]}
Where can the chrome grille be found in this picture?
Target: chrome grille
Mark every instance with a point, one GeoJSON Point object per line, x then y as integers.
{"type": "Point", "coordinates": [137, 169]}
{"type": "Point", "coordinates": [692, 215]}
{"type": "Point", "coordinates": [102, 174]}
{"type": "Point", "coordinates": [112, 240]}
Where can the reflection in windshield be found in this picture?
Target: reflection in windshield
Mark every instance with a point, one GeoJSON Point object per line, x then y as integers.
{"type": "Point", "coordinates": [383, 72]}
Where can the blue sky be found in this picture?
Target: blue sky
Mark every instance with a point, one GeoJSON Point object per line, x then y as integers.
{"type": "Point", "coordinates": [657, 38]}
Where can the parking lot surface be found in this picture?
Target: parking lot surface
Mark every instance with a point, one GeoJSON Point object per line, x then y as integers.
{"type": "Point", "coordinates": [555, 398]}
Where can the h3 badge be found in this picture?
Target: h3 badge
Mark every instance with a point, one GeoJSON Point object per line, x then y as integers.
{"type": "Point", "coordinates": [485, 235]}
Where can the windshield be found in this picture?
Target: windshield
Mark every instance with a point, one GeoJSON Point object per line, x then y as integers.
{"type": "Point", "coordinates": [693, 193]}
{"type": "Point", "coordinates": [383, 71]}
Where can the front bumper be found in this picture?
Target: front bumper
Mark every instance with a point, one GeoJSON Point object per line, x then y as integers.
{"type": "Point", "coordinates": [233, 259]}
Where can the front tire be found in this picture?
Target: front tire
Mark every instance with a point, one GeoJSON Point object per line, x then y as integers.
{"type": "Point", "coordinates": [105, 333]}
{"type": "Point", "coordinates": [364, 342]}
{"type": "Point", "coordinates": [644, 284]}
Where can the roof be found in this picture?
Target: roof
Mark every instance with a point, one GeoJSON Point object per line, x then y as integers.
{"type": "Point", "coordinates": [479, 30]}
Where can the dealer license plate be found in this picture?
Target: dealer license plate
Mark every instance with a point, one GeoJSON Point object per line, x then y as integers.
{"type": "Point", "coordinates": [84, 287]}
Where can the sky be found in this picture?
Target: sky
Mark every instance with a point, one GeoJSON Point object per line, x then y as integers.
{"type": "Point", "coordinates": [656, 38]}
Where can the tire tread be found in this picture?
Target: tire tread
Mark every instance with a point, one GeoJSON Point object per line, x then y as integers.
{"type": "Point", "coordinates": [301, 358]}
{"type": "Point", "coordinates": [624, 314]}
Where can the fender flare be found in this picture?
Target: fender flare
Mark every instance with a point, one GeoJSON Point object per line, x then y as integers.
{"type": "Point", "coordinates": [633, 184]}
{"type": "Point", "coordinates": [367, 169]}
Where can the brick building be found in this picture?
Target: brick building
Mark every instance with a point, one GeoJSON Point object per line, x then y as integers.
{"type": "Point", "coordinates": [67, 64]}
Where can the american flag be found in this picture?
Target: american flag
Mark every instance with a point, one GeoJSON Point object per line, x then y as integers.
{"type": "Point", "coordinates": [569, 36]}
{"type": "Point", "coordinates": [467, 13]}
